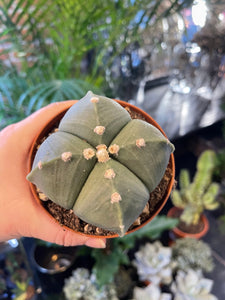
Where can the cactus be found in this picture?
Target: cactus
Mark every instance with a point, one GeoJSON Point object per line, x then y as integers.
{"type": "Point", "coordinates": [101, 163]}
{"type": "Point", "coordinates": [189, 253]}
{"type": "Point", "coordinates": [194, 197]}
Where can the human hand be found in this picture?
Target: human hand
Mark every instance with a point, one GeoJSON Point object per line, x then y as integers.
{"type": "Point", "coordinates": [20, 215]}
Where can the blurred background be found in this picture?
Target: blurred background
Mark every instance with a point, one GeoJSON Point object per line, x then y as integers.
{"type": "Point", "coordinates": [166, 57]}
{"type": "Point", "coordinates": [57, 50]}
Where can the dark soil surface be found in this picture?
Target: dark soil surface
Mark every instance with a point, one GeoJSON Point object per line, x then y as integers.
{"type": "Point", "coordinates": [68, 218]}
{"type": "Point", "coordinates": [192, 228]}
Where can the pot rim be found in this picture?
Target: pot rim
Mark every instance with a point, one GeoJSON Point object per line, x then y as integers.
{"type": "Point", "coordinates": [60, 114]}
{"type": "Point", "coordinates": [180, 233]}
{"type": "Point", "coordinates": [52, 253]}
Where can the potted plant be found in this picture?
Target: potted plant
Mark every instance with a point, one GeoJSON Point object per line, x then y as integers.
{"type": "Point", "coordinates": [194, 197]}
{"type": "Point", "coordinates": [51, 264]}
{"type": "Point", "coordinates": [189, 253]}
{"type": "Point", "coordinates": [82, 285]}
{"type": "Point", "coordinates": [191, 285]}
{"type": "Point", "coordinates": [99, 164]}
{"type": "Point", "coordinates": [153, 263]}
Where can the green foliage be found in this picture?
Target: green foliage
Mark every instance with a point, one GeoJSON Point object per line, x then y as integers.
{"type": "Point", "coordinates": [193, 254]}
{"type": "Point", "coordinates": [106, 266]}
{"type": "Point", "coordinates": [108, 187]}
{"type": "Point", "coordinates": [21, 95]}
{"type": "Point", "coordinates": [200, 194]}
{"type": "Point", "coordinates": [219, 171]}
{"type": "Point", "coordinates": [108, 262]}
{"type": "Point", "coordinates": [60, 40]}
{"type": "Point", "coordinates": [60, 49]}
{"type": "Point", "coordinates": [222, 224]}
{"type": "Point", "coordinates": [10, 89]}
{"type": "Point", "coordinates": [3, 285]}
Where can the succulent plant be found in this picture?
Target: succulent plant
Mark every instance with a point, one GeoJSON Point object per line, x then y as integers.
{"type": "Point", "coordinates": [101, 163]}
{"type": "Point", "coordinates": [153, 263]}
{"type": "Point", "coordinates": [191, 285]}
{"type": "Point", "coordinates": [82, 286]}
{"type": "Point", "coordinates": [200, 194]}
{"type": "Point", "coordinates": [193, 254]}
{"type": "Point", "coordinates": [150, 292]}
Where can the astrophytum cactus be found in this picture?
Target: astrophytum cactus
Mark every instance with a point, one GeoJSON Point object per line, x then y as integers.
{"type": "Point", "coordinates": [101, 163]}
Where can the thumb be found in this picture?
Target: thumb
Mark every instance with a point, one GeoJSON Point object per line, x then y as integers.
{"type": "Point", "coordinates": [45, 227]}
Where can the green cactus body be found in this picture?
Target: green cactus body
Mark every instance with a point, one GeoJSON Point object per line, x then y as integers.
{"type": "Point", "coordinates": [101, 164]}
{"type": "Point", "coordinates": [132, 151]}
{"type": "Point", "coordinates": [119, 200]}
{"type": "Point", "coordinates": [51, 171]}
{"type": "Point", "coordinates": [199, 194]}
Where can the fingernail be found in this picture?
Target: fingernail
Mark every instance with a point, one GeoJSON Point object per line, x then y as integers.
{"type": "Point", "coordinates": [95, 243]}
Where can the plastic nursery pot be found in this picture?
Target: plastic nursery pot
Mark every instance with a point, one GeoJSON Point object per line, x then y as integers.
{"type": "Point", "coordinates": [52, 265]}
{"type": "Point", "coordinates": [175, 212]}
{"type": "Point", "coordinates": [54, 123]}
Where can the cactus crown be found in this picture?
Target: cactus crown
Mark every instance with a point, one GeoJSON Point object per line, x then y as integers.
{"type": "Point", "coordinates": [101, 163]}
{"type": "Point", "coordinates": [200, 194]}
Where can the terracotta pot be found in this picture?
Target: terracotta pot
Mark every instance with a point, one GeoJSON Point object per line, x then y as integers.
{"type": "Point", "coordinates": [178, 233]}
{"type": "Point", "coordinates": [55, 121]}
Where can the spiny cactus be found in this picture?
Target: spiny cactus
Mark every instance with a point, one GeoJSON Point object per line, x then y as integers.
{"type": "Point", "coordinates": [101, 163]}
{"type": "Point", "coordinates": [189, 253]}
{"type": "Point", "coordinates": [194, 197]}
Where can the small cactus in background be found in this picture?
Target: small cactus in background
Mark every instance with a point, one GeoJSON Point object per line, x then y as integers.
{"type": "Point", "coordinates": [101, 163]}
{"type": "Point", "coordinates": [193, 254]}
{"type": "Point", "coordinates": [194, 197]}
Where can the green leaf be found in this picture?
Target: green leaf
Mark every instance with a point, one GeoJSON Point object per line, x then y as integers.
{"type": "Point", "coordinates": [153, 229]}
{"type": "Point", "coordinates": [106, 266]}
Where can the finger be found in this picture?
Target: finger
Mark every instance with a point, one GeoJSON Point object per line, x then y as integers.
{"type": "Point", "coordinates": [59, 235]}
{"type": "Point", "coordinates": [45, 227]}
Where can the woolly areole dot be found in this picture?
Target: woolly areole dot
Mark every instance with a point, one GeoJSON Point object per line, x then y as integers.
{"type": "Point", "coordinates": [99, 130]}
{"type": "Point", "coordinates": [115, 198]}
{"type": "Point", "coordinates": [114, 149]}
{"type": "Point", "coordinates": [109, 174]}
{"type": "Point", "coordinates": [94, 100]}
{"type": "Point", "coordinates": [39, 165]}
{"type": "Point", "coordinates": [66, 156]}
{"type": "Point", "coordinates": [140, 143]}
{"type": "Point", "coordinates": [102, 155]}
{"type": "Point", "coordinates": [88, 153]}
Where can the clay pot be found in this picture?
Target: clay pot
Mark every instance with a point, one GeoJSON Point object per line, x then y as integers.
{"type": "Point", "coordinates": [55, 121]}
{"type": "Point", "coordinates": [174, 212]}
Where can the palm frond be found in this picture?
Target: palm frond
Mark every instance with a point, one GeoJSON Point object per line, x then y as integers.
{"type": "Point", "coordinates": [56, 90]}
